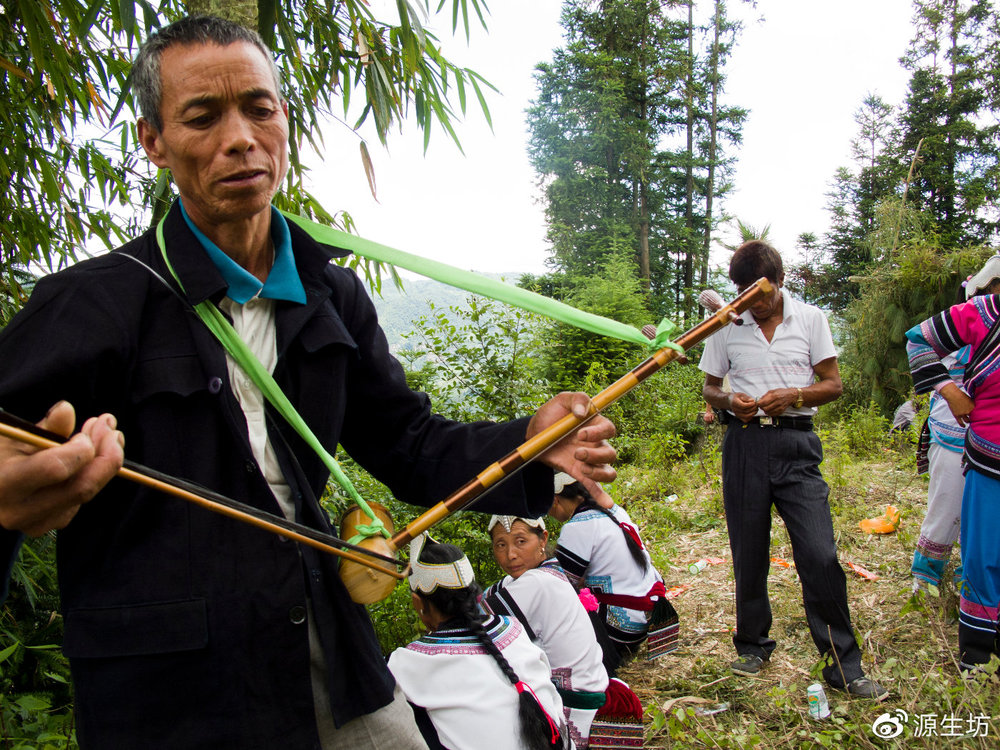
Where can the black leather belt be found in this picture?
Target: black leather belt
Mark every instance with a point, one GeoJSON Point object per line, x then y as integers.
{"type": "Point", "coordinates": [790, 423]}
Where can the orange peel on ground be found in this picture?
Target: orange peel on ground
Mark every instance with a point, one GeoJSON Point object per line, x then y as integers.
{"type": "Point", "coordinates": [863, 572]}
{"type": "Point", "coordinates": [674, 591]}
{"type": "Point", "coordinates": [884, 524]}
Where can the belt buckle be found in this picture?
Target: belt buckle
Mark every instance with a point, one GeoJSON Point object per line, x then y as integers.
{"type": "Point", "coordinates": [766, 421]}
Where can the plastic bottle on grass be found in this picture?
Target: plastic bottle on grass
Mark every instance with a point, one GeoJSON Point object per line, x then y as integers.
{"type": "Point", "coordinates": [696, 567]}
{"type": "Point", "coordinates": [819, 708]}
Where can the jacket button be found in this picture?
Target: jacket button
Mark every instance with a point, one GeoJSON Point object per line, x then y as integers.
{"type": "Point", "coordinates": [250, 467]}
{"type": "Point", "coordinates": [215, 385]}
{"type": "Point", "coordinates": [297, 614]}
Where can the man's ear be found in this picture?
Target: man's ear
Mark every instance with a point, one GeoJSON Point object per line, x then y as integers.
{"type": "Point", "coordinates": [149, 139]}
{"type": "Point", "coordinates": [781, 280]}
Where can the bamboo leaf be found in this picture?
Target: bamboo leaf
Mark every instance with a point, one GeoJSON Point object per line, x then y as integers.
{"type": "Point", "coordinates": [11, 68]}
{"type": "Point", "coordinates": [126, 11]}
{"type": "Point", "coordinates": [8, 651]}
{"type": "Point", "coordinates": [89, 18]}
{"type": "Point", "coordinates": [366, 161]}
{"type": "Point", "coordinates": [482, 99]}
{"type": "Point", "coordinates": [460, 85]}
{"type": "Point", "coordinates": [267, 18]}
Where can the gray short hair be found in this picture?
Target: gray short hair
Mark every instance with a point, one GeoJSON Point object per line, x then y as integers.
{"type": "Point", "coordinates": [147, 87]}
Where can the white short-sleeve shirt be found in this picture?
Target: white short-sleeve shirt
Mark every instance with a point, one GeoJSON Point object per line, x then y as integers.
{"type": "Point", "coordinates": [755, 366]}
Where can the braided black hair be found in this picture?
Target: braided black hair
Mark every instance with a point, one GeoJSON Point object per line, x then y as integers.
{"type": "Point", "coordinates": [462, 604]}
{"type": "Point", "coordinates": [576, 491]}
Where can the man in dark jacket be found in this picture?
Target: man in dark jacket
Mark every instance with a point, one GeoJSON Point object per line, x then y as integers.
{"type": "Point", "coordinates": [185, 628]}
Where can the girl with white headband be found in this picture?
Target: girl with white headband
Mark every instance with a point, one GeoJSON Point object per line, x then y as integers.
{"type": "Point", "coordinates": [600, 548]}
{"type": "Point", "coordinates": [537, 592]}
{"type": "Point", "coordinates": [475, 681]}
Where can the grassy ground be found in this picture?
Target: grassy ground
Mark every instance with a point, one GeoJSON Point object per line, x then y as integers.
{"type": "Point", "coordinates": [909, 644]}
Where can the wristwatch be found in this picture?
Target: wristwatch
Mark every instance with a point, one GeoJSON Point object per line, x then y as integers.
{"type": "Point", "coordinates": [798, 401]}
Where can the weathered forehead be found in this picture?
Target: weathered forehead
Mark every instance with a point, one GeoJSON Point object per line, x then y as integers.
{"type": "Point", "coordinates": [200, 70]}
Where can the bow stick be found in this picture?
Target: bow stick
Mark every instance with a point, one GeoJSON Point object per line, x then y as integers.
{"type": "Point", "coordinates": [366, 587]}
{"type": "Point", "coordinates": [23, 431]}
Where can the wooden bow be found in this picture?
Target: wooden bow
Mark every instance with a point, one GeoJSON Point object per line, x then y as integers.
{"type": "Point", "coordinates": [18, 429]}
{"type": "Point", "coordinates": [367, 584]}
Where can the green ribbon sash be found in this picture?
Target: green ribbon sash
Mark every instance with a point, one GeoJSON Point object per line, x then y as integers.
{"type": "Point", "coordinates": [473, 282]}
{"type": "Point", "coordinates": [223, 330]}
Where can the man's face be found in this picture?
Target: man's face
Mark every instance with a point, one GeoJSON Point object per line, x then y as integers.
{"type": "Point", "coordinates": [766, 305]}
{"type": "Point", "coordinates": [225, 130]}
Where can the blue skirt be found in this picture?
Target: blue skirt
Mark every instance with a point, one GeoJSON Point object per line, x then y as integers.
{"type": "Point", "coordinates": [980, 597]}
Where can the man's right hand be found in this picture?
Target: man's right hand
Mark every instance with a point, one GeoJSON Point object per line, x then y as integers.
{"type": "Point", "coordinates": [42, 489]}
{"type": "Point", "coordinates": [743, 406]}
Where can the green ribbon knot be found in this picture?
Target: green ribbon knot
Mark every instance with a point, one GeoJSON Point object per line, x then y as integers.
{"type": "Point", "coordinates": [664, 334]}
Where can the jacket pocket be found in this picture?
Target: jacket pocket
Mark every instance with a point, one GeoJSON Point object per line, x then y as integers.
{"type": "Point", "coordinates": [181, 375]}
{"type": "Point", "coordinates": [136, 629]}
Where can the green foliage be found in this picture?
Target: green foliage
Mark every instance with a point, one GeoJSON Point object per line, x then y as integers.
{"type": "Point", "coordinates": [950, 111]}
{"type": "Point", "coordinates": [59, 72]}
{"type": "Point", "coordinates": [570, 354]}
{"type": "Point", "coordinates": [660, 421]}
{"type": "Point", "coordinates": [481, 366]}
{"type": "Point", "coordinates": [626, 80]}
{"type": "Point", "coordinates": [923, 280]}
{"type": "Point", "coordinates": [14, 290]}
{"type": "Point", "coordinates": [35, 692]}
{"type": "Point", "coordinates": [861, 433]}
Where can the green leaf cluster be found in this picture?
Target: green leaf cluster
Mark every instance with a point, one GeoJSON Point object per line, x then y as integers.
{"type": "Point", "coordinates": [478, 361]}
{"type": "Point", "coordinates": [35, 691]}
{"type": "Point", "coordinates": [924, 279]}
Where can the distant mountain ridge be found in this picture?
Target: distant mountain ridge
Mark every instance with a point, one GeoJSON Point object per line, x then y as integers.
{"type": "Point", "coordinates": [398, 310]}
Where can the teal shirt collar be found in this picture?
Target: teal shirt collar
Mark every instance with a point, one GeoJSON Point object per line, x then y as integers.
{"type": "Point", "coordinates": [282, 282]}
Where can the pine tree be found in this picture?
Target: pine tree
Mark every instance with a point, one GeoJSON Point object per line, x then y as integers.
{"type": "Point", "coordinates": [628, 135]}
{"type": "Point", "coordinates": [951, 106]}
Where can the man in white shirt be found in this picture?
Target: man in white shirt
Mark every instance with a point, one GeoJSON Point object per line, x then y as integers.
{"type": "Point", "coordinates": [781, 364]}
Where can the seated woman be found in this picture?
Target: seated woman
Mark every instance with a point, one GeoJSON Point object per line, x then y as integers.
{"type": "Point", "coordinates": [537, 592]}
{"type": "Point", "coordinates": [474, 681]}
{"type": "Point", "coordinates": [600, 548]}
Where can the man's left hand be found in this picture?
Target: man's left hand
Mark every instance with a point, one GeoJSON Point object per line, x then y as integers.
{"type": "Point", "coordinates": [774, 403]}
{"type": "Point", "coordinates": [585, 453]}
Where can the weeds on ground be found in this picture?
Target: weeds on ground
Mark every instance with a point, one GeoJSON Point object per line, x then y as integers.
{"type": "Point", "coordinates": [909, 642]}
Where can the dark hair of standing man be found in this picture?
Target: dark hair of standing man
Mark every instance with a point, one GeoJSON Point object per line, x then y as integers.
{"type": "Point", "coordinates": [754, 259]}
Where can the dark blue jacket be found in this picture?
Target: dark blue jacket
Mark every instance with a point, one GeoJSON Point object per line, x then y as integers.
{"type": "Point", "coordinates": [185, 629]}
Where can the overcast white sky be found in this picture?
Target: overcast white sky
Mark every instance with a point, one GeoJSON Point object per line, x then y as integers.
{"type": "Point", "coordinates": [802, 72]}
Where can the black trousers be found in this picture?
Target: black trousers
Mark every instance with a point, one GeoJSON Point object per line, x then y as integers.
{"type": "Point", "coordinates": [764, 466]}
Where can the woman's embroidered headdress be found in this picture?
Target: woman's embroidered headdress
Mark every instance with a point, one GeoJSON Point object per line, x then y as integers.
{"type": "Point", "coordinates": [427, 577]}
{"type": "Point", "coordinates": [508, 521]}
{"type": "Point", "coordinates": [561, 480]}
